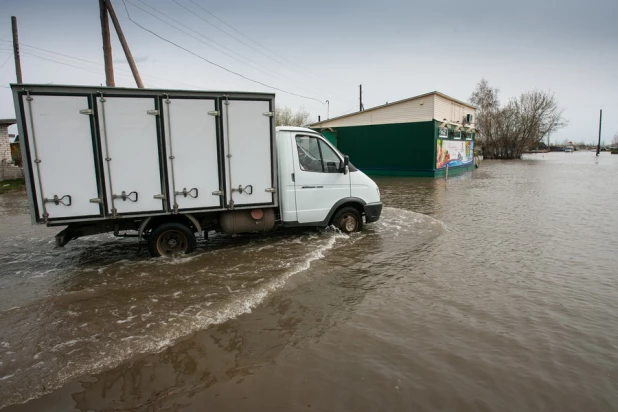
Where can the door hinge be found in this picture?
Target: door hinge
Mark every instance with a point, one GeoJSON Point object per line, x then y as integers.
{"type": "Point", "coordinates": [96, 200]}
{"type": "Point", "coordinates": [153, 112]}
{"type": "Point", "coordinates": [270, 190]}
{"type": "Point", "coordinates": [86, 111]}
{"type": "Point", "coordinates": [270, 114]}
{"type": "Point", "coordinates": [218, 193]}
{"type": "Point", "coordinates": [293, 178]}
{"type": "Point", "coordinates": [214, 113]}
{"type": "Point", "coordinates": [159, 197]}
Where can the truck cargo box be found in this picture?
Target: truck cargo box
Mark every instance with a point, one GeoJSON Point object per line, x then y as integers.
{"type": "Point", "coordinates": [97, 153]}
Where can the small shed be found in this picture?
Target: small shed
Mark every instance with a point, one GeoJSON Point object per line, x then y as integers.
{"type": "Point", "coordinates": [418, 136]}
{"type": "Point", "coordinates": [8, 170]}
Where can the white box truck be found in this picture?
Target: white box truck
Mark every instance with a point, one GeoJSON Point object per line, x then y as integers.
{"type": "Point", "coordinates": [164, 165]}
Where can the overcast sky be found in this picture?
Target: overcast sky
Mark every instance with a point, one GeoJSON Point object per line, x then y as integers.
{"type": "Point", "coordinates": [325, 49]}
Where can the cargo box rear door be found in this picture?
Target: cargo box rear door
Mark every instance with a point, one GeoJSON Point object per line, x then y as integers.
{"type": "Point", "coordinates": [129, 129]}
{"type": "Point", "coordinates": [192, 149]}
{"type": "Point", "coordinates": [61, 151]}
{"type": "Point", "coordinates": [249, 159]}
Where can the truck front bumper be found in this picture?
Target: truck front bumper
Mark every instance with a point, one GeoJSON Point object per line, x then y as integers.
{"type": "Point", "coordinates": [372, 212]}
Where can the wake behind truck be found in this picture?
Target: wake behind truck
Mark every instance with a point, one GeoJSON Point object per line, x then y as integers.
{"type": "Point", "coordinates": [167, 164]}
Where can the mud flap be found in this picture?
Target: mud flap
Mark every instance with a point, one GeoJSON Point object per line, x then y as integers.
{"type": "Point", "coordinates": [65, 236]}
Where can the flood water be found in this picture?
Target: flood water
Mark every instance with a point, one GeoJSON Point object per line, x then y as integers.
{"type": "Point", "coordinates": [496, 291]}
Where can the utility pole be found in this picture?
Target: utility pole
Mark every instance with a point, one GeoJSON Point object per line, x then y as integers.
{"type": "Point", "coordinates": [361, 107]}
{"type": "Point", "coordinates": [107, 46]}
{"type": "Point", "coordinates": [600, 120]}
{"type": "Point", "coordinates": [123, 42]}
{"type": "Point", "coordinates": [327, 110]}
{"type": "Point", "coordinates": [16, 49]}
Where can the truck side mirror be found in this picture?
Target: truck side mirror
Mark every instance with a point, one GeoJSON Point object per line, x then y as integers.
{"type": "Point", "coordinates": [346, 163]}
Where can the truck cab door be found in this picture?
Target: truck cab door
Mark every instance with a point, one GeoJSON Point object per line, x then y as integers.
{"type": "Point", "coordinates": [319, 178]}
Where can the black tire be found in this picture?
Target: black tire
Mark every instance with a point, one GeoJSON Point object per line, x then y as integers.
{"type": "Point", "coordinates": [348, 220]}
{"type": "Point", "coordinates": [171, 238]}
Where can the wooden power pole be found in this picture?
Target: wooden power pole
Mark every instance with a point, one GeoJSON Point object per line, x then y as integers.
{"type": "Point", "coordinates": [16, 49]}
{"type": "Point", "coordinates": [361, 107]}
{"type": "Point", "coordinates": [123, 42]}
{"type": "Point", "coordinates": [600, 121]}
{"type": "Point", "coordinates": [107, 46]}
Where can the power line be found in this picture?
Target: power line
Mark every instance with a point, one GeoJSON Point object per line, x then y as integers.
{"type": "Point", "coordinates": [244, 35]}
{"type": "Point", "coordinates": [223, 31]}
{"type": "Point", "coordinates": [7, 59]}
{"type": "Point", "coordinates": [207, 38]}
{"type": "Point", "coordinates": [100, 64]}
{"type": "Point", "coordinates": [59, 62]}
{"type": "Point", "coordinates": [239, 32]}
{"type": "Point", "coordinates": [216, 27]}
{"type": "Point", "coordinates": [211, 62]}
{"type": "Point", "coordinates": [49, 51]}
{"type": "Point", "coordinates": [215, 46]}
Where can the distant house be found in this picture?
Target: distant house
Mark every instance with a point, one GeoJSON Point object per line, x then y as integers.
{"type": "Point", "coordinates": [7, 168]}
{"type": "Point", "coordinates": [418, 136]}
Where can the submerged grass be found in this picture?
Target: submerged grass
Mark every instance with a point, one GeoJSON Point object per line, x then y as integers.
{"type": "Point", "coordinates": [13, 185]}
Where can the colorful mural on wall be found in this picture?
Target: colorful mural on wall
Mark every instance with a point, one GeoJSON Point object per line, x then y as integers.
{"type": "Point", "coordinates": [454, 153]}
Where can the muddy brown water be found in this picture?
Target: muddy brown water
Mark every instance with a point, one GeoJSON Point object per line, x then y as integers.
{"type": "Point", "coordinates": [496, 291]}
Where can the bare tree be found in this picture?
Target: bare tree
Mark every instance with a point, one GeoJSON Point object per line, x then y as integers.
{"type": "Point", "coordinates": [615, 140]}
{"type": "Point", "coordinates": [485, 98]}
{"type": "Point", "coordinates": [507, 132]}
{"type": "Point", "coordinates": [284, 116]}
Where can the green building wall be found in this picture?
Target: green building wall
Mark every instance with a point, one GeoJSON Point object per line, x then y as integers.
{"type": "Point", "coordinates": [401, 149]}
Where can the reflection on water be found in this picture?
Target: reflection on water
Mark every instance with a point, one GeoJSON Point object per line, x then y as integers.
{"type": "Point", "coordinates": [494, 291]}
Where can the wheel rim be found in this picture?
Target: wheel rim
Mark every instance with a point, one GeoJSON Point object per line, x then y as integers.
{"type": "Point", "coordinates": [172, 242]}
{"type": "Point", "coordinates": [348, 223]}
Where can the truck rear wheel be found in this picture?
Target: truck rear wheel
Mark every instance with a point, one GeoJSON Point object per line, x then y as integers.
{"type": "Point", "coordinates": [171, 238]}
{"type": "Point", "coordinates": [348, 220]}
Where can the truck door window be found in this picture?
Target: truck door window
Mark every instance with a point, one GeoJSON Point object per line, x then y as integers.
{"type": "Point", "coordinates": [331, 163]}
{"type": "Point", "coordinates": [315, 155]}
{"type": "Point", "coordinates": [309, 156]}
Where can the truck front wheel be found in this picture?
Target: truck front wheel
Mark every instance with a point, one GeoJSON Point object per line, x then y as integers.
{"type": "Point", "coordinates": [171, 238]}
{"type": "Point", "coordinates": [348, 220]}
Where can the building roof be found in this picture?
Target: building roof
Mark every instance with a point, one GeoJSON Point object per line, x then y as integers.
{"type": "Point", "coordinates": [395, 103]}
{"type": "Point", "coordinates": [8, 121]}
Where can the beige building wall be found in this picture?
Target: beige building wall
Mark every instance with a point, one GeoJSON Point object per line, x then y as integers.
{"type": "Point", "coordinates": [416, 110]}
{"type": "Point", "coordinates": [5, 145]}
{"type": "Point", "coordinates": [424, 108]}
{"type": "Point", "coordinates": [451, 110]}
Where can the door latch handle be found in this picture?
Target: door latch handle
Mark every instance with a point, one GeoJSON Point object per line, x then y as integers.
{"type": "Point", "coordinates": [65, 200]}
{"type": "Point", "coordinates": [132, 196]}
{"type": "Point", "coordinates": [191, 193]}
{"type": "Point", "coordinates": [247, 189]}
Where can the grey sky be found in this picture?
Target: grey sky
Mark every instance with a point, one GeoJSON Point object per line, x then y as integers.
{"type": "Point", "coordinates": [396, 49]}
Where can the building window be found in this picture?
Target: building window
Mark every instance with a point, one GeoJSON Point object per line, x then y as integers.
{"type": "Point", "coordinates": [314, 155]}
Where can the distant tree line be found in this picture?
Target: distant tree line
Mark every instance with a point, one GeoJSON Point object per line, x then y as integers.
{"type": "Point", "coordinates": [285, 116]}
{"type": "Point", "coordinates": [506, 132]}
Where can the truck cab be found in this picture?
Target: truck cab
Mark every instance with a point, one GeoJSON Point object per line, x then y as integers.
{"type": "Point", "coordinates": [318, 185]}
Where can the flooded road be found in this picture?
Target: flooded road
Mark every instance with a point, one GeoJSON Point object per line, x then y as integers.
{"type": "Point", "coordinates": [496, 291]}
